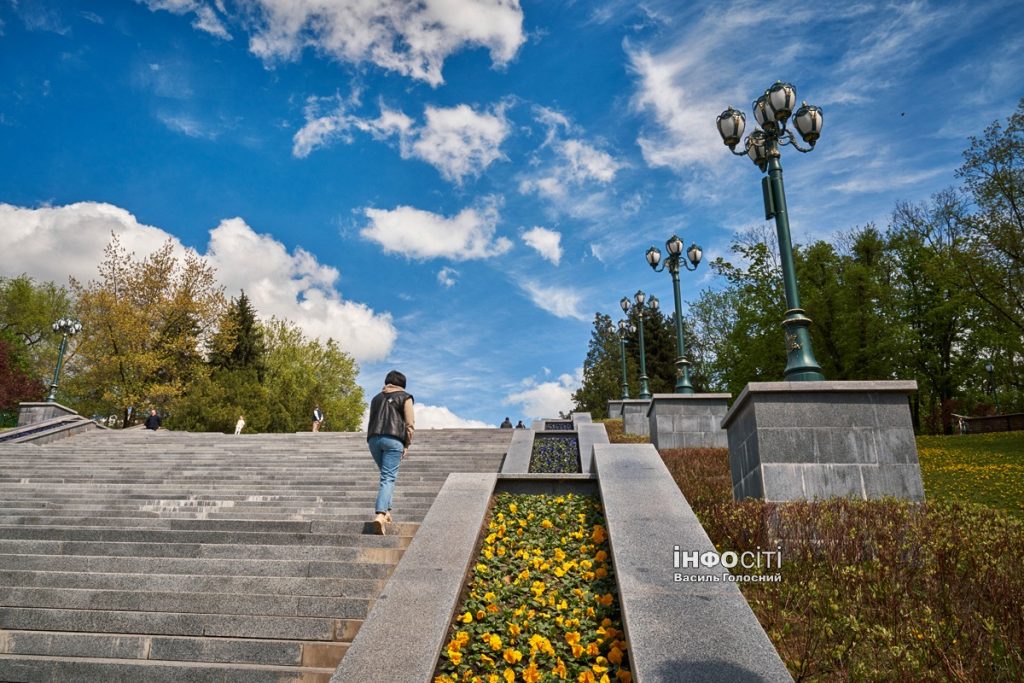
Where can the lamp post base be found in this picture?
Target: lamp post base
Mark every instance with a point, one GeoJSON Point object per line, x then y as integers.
{"type": "Point", "coordinates": [801, 365]}
{"type": "Point", "coordinates": [683, 384]}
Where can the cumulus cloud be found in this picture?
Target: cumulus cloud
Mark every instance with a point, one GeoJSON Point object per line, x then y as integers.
{"type": "Point", "coordinates": [446, 276]}
{"type": "Point", "coordinates": [410, 38]}
{"type": "Point", "coordinates": [458, 141]}
{"type": "Point", "coordinates": [559, 301]}
{"type": "Point", "coordinates": [546, 399]}
{"type": "Point", "coordinates": [424, 235]}
{"type": "Point", "coordinates": [547, 243]}
{"type": "Point", "coordinates": [51, 243]}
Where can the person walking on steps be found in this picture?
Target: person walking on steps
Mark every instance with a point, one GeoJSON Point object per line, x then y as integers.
{"type": "Point", "coordinates": [389, 435]}
{"type": "Point", "coordinates": [318, 418]}
{"type": "Point", "coordinates": [240, 425]}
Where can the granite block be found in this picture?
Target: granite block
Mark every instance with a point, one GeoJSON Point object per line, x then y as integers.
{"type": "Point", "coordinates": [692, 630]}
{"type": "Point", "coordinates": [823, 440]}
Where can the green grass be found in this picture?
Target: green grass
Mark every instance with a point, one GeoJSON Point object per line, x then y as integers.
{"type": "Point", "coordinates": [977, 468]}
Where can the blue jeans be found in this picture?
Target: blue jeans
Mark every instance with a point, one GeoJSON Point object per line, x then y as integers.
{"type": "Point", "coordinates": [387, 453]}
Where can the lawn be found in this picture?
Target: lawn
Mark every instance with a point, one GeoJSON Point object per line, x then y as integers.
{"type": "Point", "coordinates": [978, 468]}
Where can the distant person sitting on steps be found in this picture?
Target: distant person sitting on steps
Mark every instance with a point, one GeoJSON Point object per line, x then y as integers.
{"type": "Point", "coordinates": [153, 421]}
{"type": "Point", "coordinates": [318, 418]}
{"type": "Point", "coordinates": [520, 425]}
{"type": "Point", "coordinates": [389, 434]}
{"type": "Point", "coordinates": [240, 425]}
{"type": "Point", "coordinates": [507, 424]}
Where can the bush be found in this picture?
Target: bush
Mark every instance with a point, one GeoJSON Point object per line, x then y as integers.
{"type": "Point", "coordinates": [874, 590]}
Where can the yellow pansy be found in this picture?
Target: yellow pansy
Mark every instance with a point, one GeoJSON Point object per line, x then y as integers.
{"type": "Point", "coordinates": [512, 655]}
{"type": "Point", "coordinates": [466, 618]}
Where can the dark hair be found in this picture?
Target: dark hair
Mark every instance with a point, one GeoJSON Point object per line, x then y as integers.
{"type": "Point", "coordinates": [396, 378]}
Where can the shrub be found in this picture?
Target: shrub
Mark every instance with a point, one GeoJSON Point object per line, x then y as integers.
{"type": "Point", "coordinates": [882, 590]}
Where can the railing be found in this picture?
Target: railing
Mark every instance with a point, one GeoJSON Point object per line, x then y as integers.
{"type": "Point", "coordinates": [990, 423]}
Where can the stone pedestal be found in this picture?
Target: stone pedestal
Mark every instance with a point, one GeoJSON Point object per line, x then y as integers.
{"type": "Point", "coordinates": [688, 420]}
{"type": "Point", "coordinates": [634, 416]}
{"type": "Point", "coordinates": [807, 440]}
{"type": "Point", "coordinates": [31, 413]}
{"type": "Point", "coordinates": [614, 409]}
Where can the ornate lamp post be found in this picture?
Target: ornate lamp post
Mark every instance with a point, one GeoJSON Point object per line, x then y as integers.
{"type": "Point", "coordinates": [772, 110]}
{"type": "Point", "coordinates": [67, 327]}
{"type": "Point", "coordinates": [674, 247]}
{"type": "Point", "coordinates": [639, 299]}
{"type": "Point", "coordinates": [625, 328]}
{"type": "Point", "coordinates": [991, 369]}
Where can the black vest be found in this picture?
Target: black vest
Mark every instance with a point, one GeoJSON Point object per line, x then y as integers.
{"type": "Point", "coordinates": [387, 415]}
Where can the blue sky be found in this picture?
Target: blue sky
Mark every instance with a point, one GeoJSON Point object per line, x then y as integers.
{"type": "Point", "coordinates": [454, 187]}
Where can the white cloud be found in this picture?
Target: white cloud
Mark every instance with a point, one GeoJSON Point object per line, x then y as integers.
{"type": "Point", "coordinates": [410, 38]}
{"type": "Point", "coordinates": [573, 164]}
{"type": "Point", "coordinates": [546, 399]}
{"type": "Point", "coordinates": [446, 276]}
{"type": "Point", "coordinates": [440, 417]}
{"type": "Point", "coordinates": [188, 125]}
{"type": "Point", "coordinates": [435, 417]}
{"type": "Point", "coordinates": [559, 301]}
{"type": "Point", "coordinates": [547, 243]}
{"type": "Point", "coordinates": [458, 141]}
{"type": "Point", "coordinates": [206, 17]}
{"type": "Point", "coordinates": [419, 234]}
{"type": "Point", "coordinates": [52, 243]}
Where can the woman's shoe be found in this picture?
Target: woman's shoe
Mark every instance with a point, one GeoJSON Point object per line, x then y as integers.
{"type": "Point", "coordinates": [380, 523]}
{"type": "Point", "coordinates": [387, 517]}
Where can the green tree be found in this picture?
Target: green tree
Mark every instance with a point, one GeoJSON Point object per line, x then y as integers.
{"type": "Point", "coordinates": [992, 265]}
{"type": "Point", "coordinates": [304, 372]}
{"type": "Point", "coordinates": [602, 370]}
{"type": "Point", "coordinates": [27, 311]}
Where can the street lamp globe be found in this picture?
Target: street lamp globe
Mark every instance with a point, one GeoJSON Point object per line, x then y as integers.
{"type": "Point", "coordinates": [756, 149]}
{"type": "Point", "coordinates": [653, 303]}
{"type": "Point", "coordinates": [694, 253]}
{"type": "Point", "coordinates": [808, 120]}
{"type": "Point", "coordinates": [989, 368]}
{"type": "Point", "coordinates": [761, 111]}
{"type": "Point", "coordinates": [624, 304]}
{"type": "Point", "coordinates": [779, 101]}
{"type": "Point", "coordinates": [731, 123]}
{"type": "Point", "coordinates": [639, 297]}
{"type": "Point", "coordinates": [674, 245]}
{"type": "Point", "coordinates": [653, 257]}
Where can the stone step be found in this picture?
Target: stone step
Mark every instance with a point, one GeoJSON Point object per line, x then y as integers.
{"type": "Point", "coordinates": [294, 653]}
{"type": "Point", "coordinates": [206, 551]}
{"type": "Point", "coordinates": [57, 669]}
{"type": "Point", "coordinates": [372, 571]}
{"type": "Point", "coordinates": [194, 583]}
{"type": "Point", "coordinates": [170, 537]}
{"type": "Point", "coordinates": [239, 513]}
{"type": "Point", "coordinates": [185, 603]}
{"type": "Point", "coordinates": [327, 526]}
{"type": "Point", "coordinates": [179, 624]}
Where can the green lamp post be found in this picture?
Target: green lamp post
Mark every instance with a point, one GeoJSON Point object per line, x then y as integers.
{"type": "Point", "coordinates": [991, 369]}
{"type": "Point", "coordinates": [641, 301]}
{"type": "Point", "coordinates": [772, 110]}
{"type": "Point", "coordinates": [625, 328]}
{"type": "Point", "coordinates": [674, 247]}
{"type": "Point", "coordinates": [67, 327]}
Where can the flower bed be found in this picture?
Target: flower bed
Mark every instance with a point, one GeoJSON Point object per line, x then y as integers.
{"type": "Point", "coordinates": [552, 426]}
{"type": "Point", "coordinates": [555, 454]}
{"type": "Point", "coordinates": [541, 600]}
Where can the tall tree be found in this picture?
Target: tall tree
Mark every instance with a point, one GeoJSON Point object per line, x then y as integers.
{"type": "Point", "coordinates": [145, 322]}
{"type": "Point", "coordinates": [602, 370]}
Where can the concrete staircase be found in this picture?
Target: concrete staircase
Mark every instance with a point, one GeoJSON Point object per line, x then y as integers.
{"type": "Point", "coordinates": [141, 556]}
